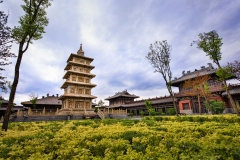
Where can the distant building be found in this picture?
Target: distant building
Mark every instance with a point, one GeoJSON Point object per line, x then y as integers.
{"type": "Point", "coordinates": [77, 87]}
{"type": "Point", "coordinates": [50, 102]}
{"type": "Point", "coordinates": [4, 104]}
{"type": "Point", "coordinates": [185, 103]}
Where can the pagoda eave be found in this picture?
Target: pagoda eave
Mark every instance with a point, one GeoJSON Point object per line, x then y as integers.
{"type": "Point", "coordinates": [79, 56]}
{"type": "Point", "coordinates": [77, 83]}
{"type": "Point", "coordinates": [76, 96]}
{"type": "Point", "coordinates": [77, 64]}
{"type": "Point", "coordinates": [78, 73]}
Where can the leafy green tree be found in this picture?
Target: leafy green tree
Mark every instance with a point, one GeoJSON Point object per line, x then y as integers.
{"type": "Point", "coordinates": [142, 113]}
{"type": "Point", "coordinates": [151, 110]}
{"type": "Point", "coordinates": [216, 107]}
{"type": "Point", "coordinates": [211, 43]}
{"type": "Point", "coordinates": [159, 58]}
{"type": "Point", "coordinates": [33, 99]}
{"type": "Point", "coordinates": [5, 47]}
{"type": "Point", "coordinates": [31, 28]}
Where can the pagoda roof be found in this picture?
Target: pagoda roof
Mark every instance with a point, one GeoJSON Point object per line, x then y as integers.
{"type": "Point", "coordinates": [78, 83]}
{"type": "Point", "coordinates": [72, 95]}
{"type": "Point", "coordinates": [79, 73]}
{"type": "Point", "coordinates": [190, 75]}
{"type": "Point", "coordinates": [122, 94]}
{"type": "Point", "coordinates": [49, 100]}
{"type": "Point", "coordinates": [77, 64]}
{"type": "Point", "coordinates": [79, 56]}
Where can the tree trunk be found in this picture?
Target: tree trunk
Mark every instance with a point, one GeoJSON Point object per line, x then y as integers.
{"type": "Point", "coordinates": [174, 103]}
{"type": "Point", "coordinates": [231, 99]}
{"type": "Point", "coordinates": [229, 95]}
{"type": "Point", "coordinates": [13, 89]}
{"type": "Point", "coordinates": [199, 105]}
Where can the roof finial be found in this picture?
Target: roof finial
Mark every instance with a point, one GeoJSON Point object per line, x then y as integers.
{"type": "Point", "coordinates": [81, 47]}
{"type": "Point", "coordinates": [80, 51]}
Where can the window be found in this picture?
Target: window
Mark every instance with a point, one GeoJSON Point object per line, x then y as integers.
{"type": "Point", "coordinates": [186, 106]}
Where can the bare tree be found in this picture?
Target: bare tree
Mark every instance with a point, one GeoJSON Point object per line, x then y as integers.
{"type": "Point", "coordinates": [159, 58]}
{"type": "Point", "coordinates": [235, 69]}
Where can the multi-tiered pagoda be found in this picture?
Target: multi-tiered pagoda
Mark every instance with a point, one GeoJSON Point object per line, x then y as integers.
{"type": "Point", "coordinates": [77, 87]}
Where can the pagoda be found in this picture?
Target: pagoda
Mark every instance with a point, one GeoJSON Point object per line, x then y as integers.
{"type": "Point", "coordinates": [77, 96]}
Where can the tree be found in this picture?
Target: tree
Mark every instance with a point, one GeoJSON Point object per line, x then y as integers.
{"type": "Point", "coordinates": [198, 87]}
{"type": "Point", "coordinates": [216, 107]}
{"type": "Point", "coordinates": [151, 110]}
{"type": "Point", "coordinates": [159, 58]}
{"type": "Point", "coordinates": [5, 47]}
{"type": "Point", "coordinates": [235, 69]}
{"type": "Point", "coordinates": [31, 28]}
{"type": "Point", "coordinates": [33, 99]}
{"type": "Point", "coordinates": [211, 44]}
{"type": "Point", "coordinates": [100, 103]}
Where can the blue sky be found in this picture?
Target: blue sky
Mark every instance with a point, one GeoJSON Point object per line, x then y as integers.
{"type": "Point", "coordinates": [117, 34]}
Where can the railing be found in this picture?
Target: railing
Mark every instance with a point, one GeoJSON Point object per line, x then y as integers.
{"type": "Point", "coordinates": [101, 114]}
{"type": "Point", "coordinates": [114, 111]}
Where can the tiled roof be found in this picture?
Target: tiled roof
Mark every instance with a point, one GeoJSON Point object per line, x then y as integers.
{"type": "Point", "coordinates": [50, 100]}
{"type": "Point", "coordinates": [234, 89]}
{"type": "Point", "coordinates": [122, 94]}
{"type": "Point", "coordinates": [154, 101]}
{"type": "Point", "coordinates": [161, 100]}
{"type": "Point", "coordinates": [186, 76]}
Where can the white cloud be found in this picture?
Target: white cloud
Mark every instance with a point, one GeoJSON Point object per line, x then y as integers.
{"type": "Point", "coordinates": [117, 34]}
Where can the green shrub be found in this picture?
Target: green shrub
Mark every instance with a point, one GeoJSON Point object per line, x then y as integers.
{"type": "Point", "coordinates": [171, 111]}
{"type": "Point", "coordinates": [215, 106]}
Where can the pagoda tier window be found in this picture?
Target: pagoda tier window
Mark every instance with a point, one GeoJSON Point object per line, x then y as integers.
{"type": "Point", "coordinates": [87, 70]}
{"type": "Point", "coordinates": [74, 78]}
{"type": "Point", "coordinates": [87, 105]}
{"type": "Point", "coordinates": [81, 70]}
{"type": "Point", "coordinates": [79, 104]}
{"type": "Point", "coordinates": [75, 68]}
{"type": "Point", "coordinates": [72, 90]}
{"type": "Point", "coordinates": [87, 91]}
{"type": "Point", "coordinates": [80, 79]}
{"type": "Point", "coordinates": [87, 80]}
{"type": "Point", "coordinates": [80, 91]}
{"type": "Point", "coordinates": [88, 63]}
{"type": "Point", "coordinates": [82, 61]}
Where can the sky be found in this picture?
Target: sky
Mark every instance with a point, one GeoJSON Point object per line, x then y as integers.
{"type": "Point", "coordinates": [117, 34]}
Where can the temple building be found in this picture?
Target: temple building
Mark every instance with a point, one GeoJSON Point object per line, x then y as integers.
{"type": "Point", "coordinates": [77, 87]}
{"type": "Point", "coordinates": [120, 99]}
{"type": "Point", "coordinates": [187, 104]}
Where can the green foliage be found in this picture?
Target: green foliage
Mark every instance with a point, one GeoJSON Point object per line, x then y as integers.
{"type": "Point", "coordinates": [210, 43]}
{"type": "Point", "coordinates": [33, 22]}
{"type": "Point", "coordinates": [171, 111]}
{"type": "Point", "coordinates": [131, 113]}
{"type": "Point", "coordinates": [216, 107]}
{"type": "Point", "coordinates": [142, 113]}
{"type": "Point", "coordinates": [167, 137]}
{"type": "Point", "coordinates": [151, 110]}
{"type": "Point", "coordinates": [224, 73]}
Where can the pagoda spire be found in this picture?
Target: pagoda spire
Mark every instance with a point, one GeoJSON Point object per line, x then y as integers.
{"type": "Point", "coordinates": [80, 51]}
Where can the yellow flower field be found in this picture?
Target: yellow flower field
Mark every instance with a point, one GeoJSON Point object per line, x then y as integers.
{"type": "Point", "coordinates": [187, 137]}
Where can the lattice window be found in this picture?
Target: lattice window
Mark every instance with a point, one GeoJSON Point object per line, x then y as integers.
{"type": "Point", "coordinates": [74, 78]}
{"type": "Point", "coordinates": [186, 106]}
{"type": "Point", "coordinates": [72, 90]}
{"type": "Point", "coordinates": [79, 91]}
{"type": "Point", "coordinates": [80, 79]}
{"type": "Point", "coordinates": [87, 80]}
